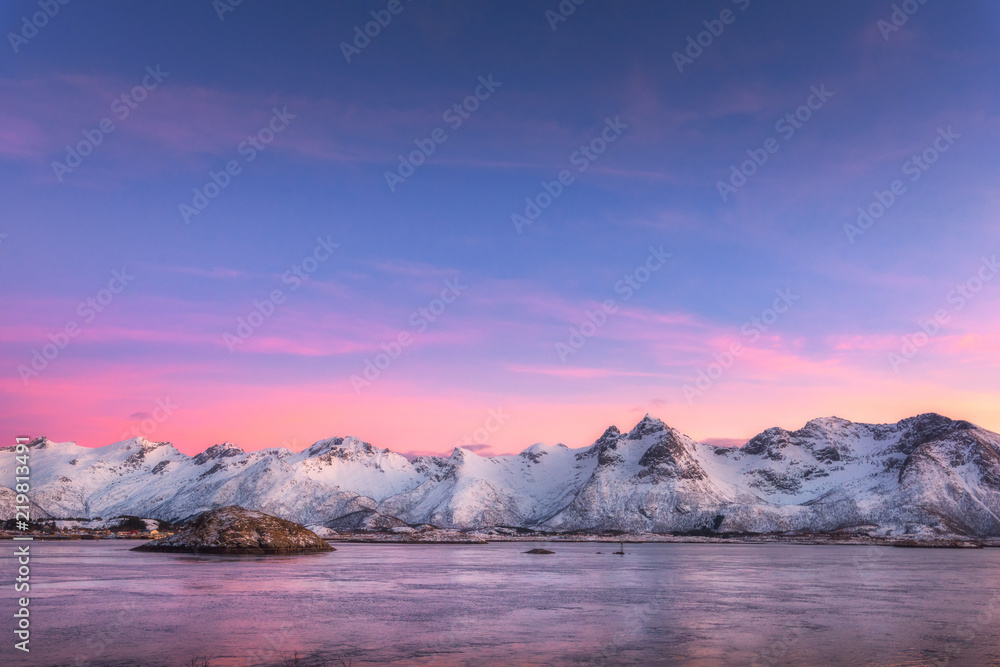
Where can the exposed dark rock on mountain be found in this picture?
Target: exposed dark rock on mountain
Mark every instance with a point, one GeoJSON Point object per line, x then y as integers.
{"type": "Point", "coordinates": [365, 520]}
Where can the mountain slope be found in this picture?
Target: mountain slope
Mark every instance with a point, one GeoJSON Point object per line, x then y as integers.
{"type": "Point", "coordinates": [927, 475]}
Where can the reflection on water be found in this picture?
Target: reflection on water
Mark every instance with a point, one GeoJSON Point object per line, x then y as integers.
{"type": "Point", "coordinates": [96, 603]}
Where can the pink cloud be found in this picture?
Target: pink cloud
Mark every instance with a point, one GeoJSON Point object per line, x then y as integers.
{"type": "Point", "coordinates": [576, 372]}
{"type": "Point", "coordinates": [404, 413]}
{"type": "Point", "coordinates": [20, 138]}
{"type": "Point", "coordinates": [652, 355]}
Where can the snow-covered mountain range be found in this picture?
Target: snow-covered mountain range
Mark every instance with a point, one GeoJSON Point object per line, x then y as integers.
{"type": "Point", "coordinates": [923, 476]}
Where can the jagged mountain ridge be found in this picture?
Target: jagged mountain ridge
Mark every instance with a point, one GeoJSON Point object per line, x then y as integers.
{"type": "Point", "coordinates": [925, 475]}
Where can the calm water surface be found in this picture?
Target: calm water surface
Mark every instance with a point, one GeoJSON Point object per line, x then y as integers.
{"type": "Point", "coordinates": [96, 603]}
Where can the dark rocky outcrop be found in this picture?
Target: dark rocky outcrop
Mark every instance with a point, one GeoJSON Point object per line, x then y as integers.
{"type": "Point", "coordinates": [237, 531]}
{"type": "Point", "coordinates": [647, 426]}
{"type": "Point", "coordinates": [668, 458]}
{"type": "Point", "coordinates": [222, 451]}
{"type": "Point", "coordinates": [365, 520]}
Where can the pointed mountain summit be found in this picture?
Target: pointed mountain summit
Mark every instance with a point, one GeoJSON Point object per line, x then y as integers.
{"type": "Point", "coordinates": [647, 426]}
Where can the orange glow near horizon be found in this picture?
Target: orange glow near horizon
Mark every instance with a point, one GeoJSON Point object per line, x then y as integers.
{"type": "Point", "coordinates": [295, 418]}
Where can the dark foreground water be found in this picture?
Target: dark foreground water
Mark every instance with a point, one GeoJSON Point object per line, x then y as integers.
{"type": "Point", "coordinates": [96, 603]}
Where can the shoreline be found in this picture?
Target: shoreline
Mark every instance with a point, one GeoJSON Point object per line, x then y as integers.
{"type": "Point", "coordinates": [944, 543]}
{"type": "Point", "coordinates": [452, 536]}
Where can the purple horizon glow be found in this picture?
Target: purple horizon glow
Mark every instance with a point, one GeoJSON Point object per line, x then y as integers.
{"type": "Point", "coordinates": [859, 296]}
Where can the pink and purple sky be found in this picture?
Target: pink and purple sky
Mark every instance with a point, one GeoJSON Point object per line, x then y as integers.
{"type": "Point", "coordinates": [928, 89]}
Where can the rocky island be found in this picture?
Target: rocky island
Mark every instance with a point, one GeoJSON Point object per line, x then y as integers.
{"type": "Point", "coordinates": [233, 530]}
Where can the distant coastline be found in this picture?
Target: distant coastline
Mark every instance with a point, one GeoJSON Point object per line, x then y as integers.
{"type": "Point", "coordinates": [458, 537]}
{"type": "Point", "coordinates": [655, 538]}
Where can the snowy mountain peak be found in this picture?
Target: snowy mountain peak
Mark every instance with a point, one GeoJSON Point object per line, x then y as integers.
{"type": "Point", "coordinates": [461, 454]}
{"type": "Point", "coordinates": [768, 444]}
{"type": "Point", "coordinates": [43, 443]}
{"type": "Point", "coordinates": [611, 434]}
{"type": "Point", "coordinates": [537, 448]}
{"type": "Point", "coordinates": [828, 423]}
{"type": "Point", "coordinates": [38, 443]}
{"type": "Point", "coordinates": [647, 426]}
{"type": "Point", "coordinates": [358, 446]}
{"type": "Point", "coordinates": [823, 440]}
{"type": "Point", "coordinates": [223, 451]}
{"type": "Point", "coordinates": [323, 446]}
{"type": "Point", "coordinates": [140, 443]}
{"type": "Point", "coordinates": [934, 421]}
{"type": "Point", "coordinates": [352, 448]}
